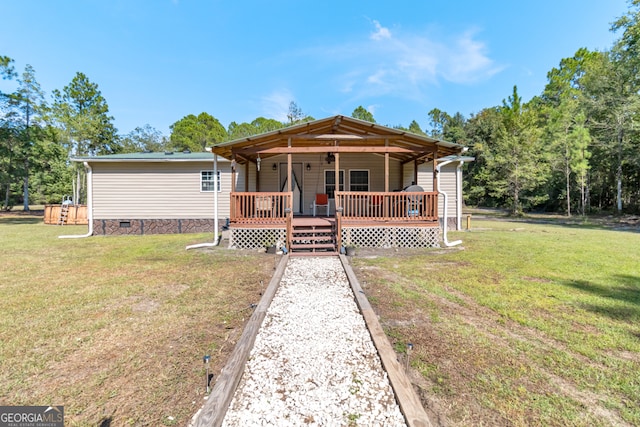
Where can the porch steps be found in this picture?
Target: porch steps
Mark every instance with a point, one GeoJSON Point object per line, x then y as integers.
{"type": "Point", "coordinates": [313, 236]}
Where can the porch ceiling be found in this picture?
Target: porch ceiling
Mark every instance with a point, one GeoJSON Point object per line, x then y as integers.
{"type": "Point", "coordinates": [338, 134]}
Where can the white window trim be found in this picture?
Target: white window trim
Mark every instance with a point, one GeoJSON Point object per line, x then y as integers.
{"type": "Point", "coordinates": [368, 171]}
{"type": "Point", "coordinates": [344, 177]}
{"type": "Point", "coordinates": [218, 181]}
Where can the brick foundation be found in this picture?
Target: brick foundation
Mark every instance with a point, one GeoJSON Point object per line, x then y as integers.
{"type": "Point", "coordinates": [152, 226]}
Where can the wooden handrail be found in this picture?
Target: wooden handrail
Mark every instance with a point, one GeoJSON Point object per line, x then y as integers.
{"type": "Point", "coordinates": [338, 217]}
{"type": "Point", "coordinates": [259, 207]}
{"type": "Point", "coordinates": [388, 206]}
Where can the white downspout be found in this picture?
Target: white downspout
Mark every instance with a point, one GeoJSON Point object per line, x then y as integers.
{"type": "Point", "coordinates": [444, 210]}
{"type": "Point", "coordinates": [459, 196]}
{"type": "Point", "coordinates": [216, 236]}
{"type": "Point", "coordinates": [89, 206]}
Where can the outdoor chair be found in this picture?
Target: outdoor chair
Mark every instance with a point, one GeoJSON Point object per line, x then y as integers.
{"type": "Point", "coordinates": [264, 206]}
{"type": "Point", "coordinates": [375, 206]}
{"type": "Point", "coordinates": [321, 201]}
{"type": "Point", "coordinates": [414, 202]}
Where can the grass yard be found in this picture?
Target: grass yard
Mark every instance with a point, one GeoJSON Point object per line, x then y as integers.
{"type": "Point", "coordinates": [529, 324]}
{"type": "Point", "coordinates": [115, 328]}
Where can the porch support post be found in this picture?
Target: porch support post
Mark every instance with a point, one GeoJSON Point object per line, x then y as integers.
{"type": "Point", "coordinates": [289, 231]}
{"type": "Point", "coordinates": [337, 179]}
{"type": "Point", "coordinates": [233, 173]}
{"type": "Point", "coordinates": [246, 178]}
{"type": "Point", "coordinates": [435, 170]}
{"type": "Point", "coordinates": [386, 177]}
{"type": "Point", "coordinates": [386, 167]}
{"type": "Point", "coordinates": [415, 171]}
{"type": "Point", "coordinates": [289, 172]}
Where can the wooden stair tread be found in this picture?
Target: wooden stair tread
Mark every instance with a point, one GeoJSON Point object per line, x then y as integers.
{"type": "Point", "coordinates": [326, 253]}
{"type": "Point", "coordinates": [312, 229]}
{"type": "Point", "coordinates": [312, 239]}
{"type": "Point", "coordinates": [311, 236]}
{"type": "Point", "coordinates": [313, 246]}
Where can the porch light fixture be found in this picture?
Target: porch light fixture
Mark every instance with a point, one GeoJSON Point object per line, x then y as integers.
{"type": "Point", "coordinates": [330, 158]}
{"type": "Point", "coordinates": [308, 167]}
{"type": "Point", "coordinates": [258, 160]}
{"type": "Point", "coordinates": [274, 167]}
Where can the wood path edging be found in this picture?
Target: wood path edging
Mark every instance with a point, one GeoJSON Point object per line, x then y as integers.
{"type": "Point", "coordinates": [408, 400]}
{"type": "Point", "coordinates": [214, 410]}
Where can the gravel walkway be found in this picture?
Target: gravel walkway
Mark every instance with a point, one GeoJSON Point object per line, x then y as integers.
{"type": "Point", "coordinates": [313, 362]}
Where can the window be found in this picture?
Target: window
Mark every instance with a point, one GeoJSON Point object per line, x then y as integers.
{"type": "Point", "coordinates": [206, 180]}
{"type": "Point", "coordinates": [358, 180]}
{"type": "Point", "coordinates": [330, 182]}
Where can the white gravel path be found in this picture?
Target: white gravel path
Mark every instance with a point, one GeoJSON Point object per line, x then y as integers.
{"type": "Point", "coordinates": [313, 362]}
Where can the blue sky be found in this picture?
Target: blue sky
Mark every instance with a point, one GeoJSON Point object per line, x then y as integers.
{"type": "Point", "coordinates": [156, 61]}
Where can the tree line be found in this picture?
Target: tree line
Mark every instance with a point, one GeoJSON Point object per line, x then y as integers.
{"type": "Point", "coordinates": [574, 148]}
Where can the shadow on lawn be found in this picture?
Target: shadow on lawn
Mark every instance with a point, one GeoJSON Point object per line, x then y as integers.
{"type": "Point", "coordinates": [20, 220]}
{"type": "Point", "coordinates": [628, 223]}
{"type": "Point", "coordinates": [624, 289]}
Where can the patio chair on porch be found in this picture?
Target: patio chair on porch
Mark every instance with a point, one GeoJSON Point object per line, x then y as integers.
{"type": "Point", "coordinates": [264, 206]}
{"type": "Point", "coordinates": [414, 203]}
{"type": "Point", "coordinates": [375, 205]}
{"type": "Point", "coordinates": [321, 201]}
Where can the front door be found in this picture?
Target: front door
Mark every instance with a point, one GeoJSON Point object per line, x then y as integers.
{"type": "Point", "coordinates": [296, 184]}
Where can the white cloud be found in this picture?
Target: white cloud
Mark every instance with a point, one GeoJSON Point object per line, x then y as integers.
{"type": "Point", "coordinates": [377, 77]}
{"type": "Point", "coordinates": [276, 104]}
{"type": "Point", "coordinates": [467, 61]}
{"type": "Point", "coordinates": [372, 108]}
{"type": "Point", "coordinates": [381, 32]}
{"type": "Point", "coordinates": [406, 64]}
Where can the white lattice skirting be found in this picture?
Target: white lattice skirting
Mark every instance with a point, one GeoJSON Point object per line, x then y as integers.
{"type": "Point", "coordinates": [391, 237]}
{"type": "Point", "coordinates": [255, 238]}
{"type": "Point", "coordinates": [365, 237]}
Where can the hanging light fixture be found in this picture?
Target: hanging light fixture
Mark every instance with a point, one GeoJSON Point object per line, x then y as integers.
{"type": "Point", "coordinates": [274, 167]}
{"type": "Point", "coordinates": [330, 158]}
{"type": "Point", "coordinates": [308, 167]}
{"type": "Point", "coordinates": [258, 160]}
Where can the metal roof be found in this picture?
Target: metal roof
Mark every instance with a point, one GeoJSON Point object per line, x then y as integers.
{"type": "Point", "coordinates": [156, 157]}
{"type": "Point", "coordinates": [338, 134]}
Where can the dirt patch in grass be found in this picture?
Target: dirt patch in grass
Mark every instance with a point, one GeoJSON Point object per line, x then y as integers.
{"type": "Point", "coordinates": [115, 328]}
{"type": "Point", "coordinates": [470, 365]}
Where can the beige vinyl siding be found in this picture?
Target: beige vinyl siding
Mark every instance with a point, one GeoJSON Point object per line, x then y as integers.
{"type": "Point", "coordinates": [251, 185]}
{"type": "Point", "coordinates": [407, 174]}
{"type": "Point", "coordinates": [156, 190]}
{"type": "Point", "coordinates": [447, 184]}
{"type": "Point", "coordinates": [425, 176]}
{"type": "Point", "coordinates": [313, 180]}
{"type": "Point", "coordinates": [241, 184]}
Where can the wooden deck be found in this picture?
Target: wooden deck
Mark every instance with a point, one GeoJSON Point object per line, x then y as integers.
{"type": "Point", "coordinates": [368, 219]}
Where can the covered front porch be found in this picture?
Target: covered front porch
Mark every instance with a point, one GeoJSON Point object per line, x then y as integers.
{"type": "Point", "coordinates": [358, 177]}
{"type": "Point", "coordinates": [371, 219]}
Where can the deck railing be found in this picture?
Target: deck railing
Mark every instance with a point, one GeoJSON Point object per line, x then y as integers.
{"type": "Point", "coordinates": [271, 207]}
{"type": "Point", "coordinates": [394, 206]}
{"type": "Point", "coordinates": [259, 207]}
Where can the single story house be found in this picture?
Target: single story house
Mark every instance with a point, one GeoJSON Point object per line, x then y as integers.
{"type": "Point", "coordinates": [280, 188]}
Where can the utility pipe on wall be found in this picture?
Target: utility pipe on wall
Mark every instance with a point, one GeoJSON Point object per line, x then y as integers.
{"type": "Point", "coordinates": [446, 199]}
{"type": "Point", "coordinates": [459, 196]}
{"type": "Point", "coordinates": [89, 206]}
{"type": "Point", "coordinates": [216, 236]}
